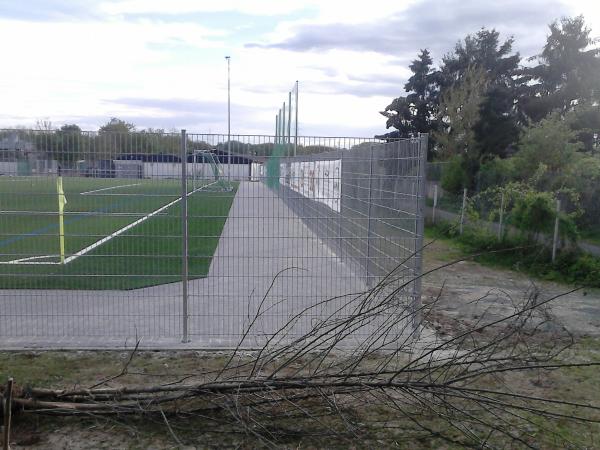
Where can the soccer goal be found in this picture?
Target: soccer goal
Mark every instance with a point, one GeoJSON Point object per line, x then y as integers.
{"type": "Point", "coordinates": [207, 173]}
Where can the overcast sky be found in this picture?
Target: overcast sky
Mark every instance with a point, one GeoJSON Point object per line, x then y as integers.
{"type": "Point", "coordinates": [160, 63]}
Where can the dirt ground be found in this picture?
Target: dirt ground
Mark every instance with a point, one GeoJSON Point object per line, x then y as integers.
{"type": "Point", "coordinates": [469, 289]}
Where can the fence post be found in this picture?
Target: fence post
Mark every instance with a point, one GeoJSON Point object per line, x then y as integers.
{"type": "Point", "coordinates": [184, 239]}
{"type": "Point", "coordinates": [462, 210]}
{"type": "Point", "coordinates": [369, 217]}
{"type": "Point", "coordinates": [7, 413]}
{"type": "Point", "coordinates": [341, 225]}
{"type": "Point", "coordinates": [435, 197]}
{"type": "Point", "coordinates": [420, 204]}
{"type": "Point", "coordinates": [556, 226]}
{"type": "Point", "coordinates": [501, 217]}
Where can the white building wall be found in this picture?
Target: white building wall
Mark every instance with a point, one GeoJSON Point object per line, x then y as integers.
{"type": "Point", "coordinates": [8, 168]}
{"type": "Point", "coordinates": [239, 172]}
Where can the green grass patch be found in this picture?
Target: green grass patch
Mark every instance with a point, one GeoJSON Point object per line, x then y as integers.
{"type": "Point", "coordinates": [145, 255]}
{"type": "Point", "coordinates": [516, 253]}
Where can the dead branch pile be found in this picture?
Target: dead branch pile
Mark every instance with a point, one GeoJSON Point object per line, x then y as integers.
{"type": "Point", "coordinates": [364, 370]}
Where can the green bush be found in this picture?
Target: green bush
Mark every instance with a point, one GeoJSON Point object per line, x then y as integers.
{"type": "Point", "coordinates": [516, 252]}
{"type": "Point", "coordinates": [534, 213]}
{"type": "Point", "coordinates": [454, 176]}
{"type": "Point", "coordinates": [495, 172]}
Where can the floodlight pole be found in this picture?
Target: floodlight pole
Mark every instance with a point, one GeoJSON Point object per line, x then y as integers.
{"type": "Point", "coordinates": [228, 58]}
{"type": "Point", "coordinates": [289, 125]}
{"type": "Point", "coordinates": [296, 119]}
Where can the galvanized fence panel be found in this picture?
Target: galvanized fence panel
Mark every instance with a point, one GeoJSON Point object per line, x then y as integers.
{"type": "Point", "coordinates": [170, 237]}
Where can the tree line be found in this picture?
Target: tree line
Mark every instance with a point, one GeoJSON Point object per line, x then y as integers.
{"type": "Point", "coordinates": [494, 117]}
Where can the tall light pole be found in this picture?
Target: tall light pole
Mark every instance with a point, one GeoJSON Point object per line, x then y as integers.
{"type": "Point", "coordinates": [228, 58]}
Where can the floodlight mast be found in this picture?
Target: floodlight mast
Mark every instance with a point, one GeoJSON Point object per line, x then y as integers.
{"type": "Point", "coordinates": [228, 58]}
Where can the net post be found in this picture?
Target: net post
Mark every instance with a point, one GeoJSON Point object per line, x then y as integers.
{"type": "Point", "coordinates": [296, 120]}
{"type": "Point", "coordinates": [283, 125]}
{"type": "Point", "coordinates": [184, 240]}
{"type": "Point", "coordinates": [289, 125]}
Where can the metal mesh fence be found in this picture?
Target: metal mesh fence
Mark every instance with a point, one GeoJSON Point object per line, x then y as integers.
{"type": "Point", "coordinates": [106, 238]}
{"type": "Point", "coordinates": [549, 224]}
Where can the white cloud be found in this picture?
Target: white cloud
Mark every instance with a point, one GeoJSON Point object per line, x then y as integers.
{"type": "Point", "coordinates": [262, 7]}
{"type": "Point", "coordinates": [83, 69]}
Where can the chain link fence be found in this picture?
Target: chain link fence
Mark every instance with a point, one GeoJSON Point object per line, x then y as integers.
{"type": "Point", "coordinates": [515, 212]}
{"type": "Point", "coordinates": [108, 238]}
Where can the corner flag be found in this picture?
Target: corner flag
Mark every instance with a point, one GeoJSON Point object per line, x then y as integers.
{"type": "Point", "coordinates": [62, 201]}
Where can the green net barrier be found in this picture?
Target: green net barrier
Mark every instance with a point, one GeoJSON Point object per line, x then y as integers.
{"type": "Point", "coordinates": [273, 165]}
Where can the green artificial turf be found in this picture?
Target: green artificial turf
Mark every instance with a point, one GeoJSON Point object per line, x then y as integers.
{"type": "Point", "coordinates": [145, 255]}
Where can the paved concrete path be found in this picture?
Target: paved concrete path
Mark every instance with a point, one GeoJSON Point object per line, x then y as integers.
{"type": "Point", "coordinates": [261, 238]}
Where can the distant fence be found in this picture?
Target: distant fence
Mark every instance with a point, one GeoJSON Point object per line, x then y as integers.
{"type": "Point", "coordinates": [494, 210]}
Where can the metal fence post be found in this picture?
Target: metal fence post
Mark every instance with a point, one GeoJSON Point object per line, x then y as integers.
{"type": "Point", "coordinates": [7, 413]}
{"type": "Point", "coordinates": [462, 210]}
{"type": "Point", "coordinates": [556, 229]}
{"type": "Point", "coordinates": [501, 217]}
{"type": "Point", "coordinates": [369, 209]}
{"type": "Point", "coordinates": [420, 229]}
{"type": "Point", "coordinates": [435, 197]}
{"type": "Point", "coordinates": [341, 224]}
{"type": "Point", "coordinates": [184, 239]}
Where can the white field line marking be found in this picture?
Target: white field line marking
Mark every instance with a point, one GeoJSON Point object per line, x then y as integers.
{"type": "Point", "coordinates": [108, 188]}
{"type": "Point", "coordinates": [89, 248]}
{"type": "Point", "coordinates": [206, 185]}
{"type": "Point", "coordinates": [96, 244]}
{"type": "Point", "coordinates": [30, 260]}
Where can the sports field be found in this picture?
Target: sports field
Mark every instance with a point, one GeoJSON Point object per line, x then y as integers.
{"type": "Point", "coordinates": [118, 233]}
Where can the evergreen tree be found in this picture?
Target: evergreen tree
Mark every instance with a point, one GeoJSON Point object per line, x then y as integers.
{"type": "Point", "coordinates": [415, 112]}
{"type": "Point", "coordinates": [498, 125]}
{"type": "Point", "coordinates": [568, 75]}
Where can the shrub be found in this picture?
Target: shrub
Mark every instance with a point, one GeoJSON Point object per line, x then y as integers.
{"type": "Point", "coordinates": [495, 172]}
{"type": "Point", "coordinates": [534, 213]}
{"type": "Point", "coordinates": [515, 252]}
{"type": "Point", "coordinates": [454, 176]}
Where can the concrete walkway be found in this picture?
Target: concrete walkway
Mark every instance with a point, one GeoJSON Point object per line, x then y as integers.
{"type": "Point", "coordinates": [261, 238]}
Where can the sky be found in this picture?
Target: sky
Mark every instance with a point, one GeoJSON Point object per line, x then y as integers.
{"type": "Point", "coordinates": [161, 63]}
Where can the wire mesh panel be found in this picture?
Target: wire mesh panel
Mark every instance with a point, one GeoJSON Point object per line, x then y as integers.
{"type": "Point", "coordinates": [90, 241]}
{"type": "Point", "coordinates": [110, 237]}
{"type": "Point", "coordinates": [308, 235]}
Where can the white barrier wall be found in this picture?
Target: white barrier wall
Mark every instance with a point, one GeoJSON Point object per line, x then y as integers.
{"type": "Point", "coordinates": [317, 180]}
{"type": "Point", "coordinates": [257, 172]}
{"type": "Point", "coordinates": [8, 168]}
{"type": "Point", "coordinates": [239, 172]}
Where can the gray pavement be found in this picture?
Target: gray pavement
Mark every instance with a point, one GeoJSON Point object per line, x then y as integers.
{"type": "Point", "coordinates": [261, 238]}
